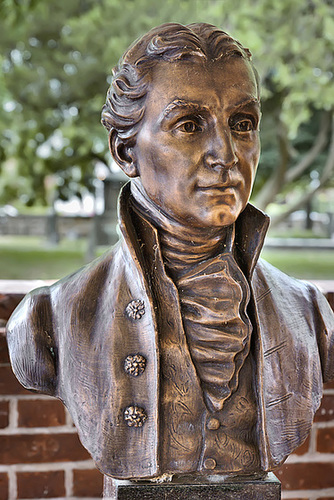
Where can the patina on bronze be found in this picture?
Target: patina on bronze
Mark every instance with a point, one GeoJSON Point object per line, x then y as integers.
{"type": "Point", "coordinates": [180, 351]}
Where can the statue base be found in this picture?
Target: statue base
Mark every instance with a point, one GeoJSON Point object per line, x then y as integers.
{"type": "Point", "coordinates": [195, 488]}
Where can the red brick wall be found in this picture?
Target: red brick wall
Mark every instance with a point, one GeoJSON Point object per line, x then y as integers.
{"type": "Point", "coordinates": [308, 474]}
{"type": "Point", "coordinates": [40, 453]}
{"type": "Point", "coordinates": [41, 456]}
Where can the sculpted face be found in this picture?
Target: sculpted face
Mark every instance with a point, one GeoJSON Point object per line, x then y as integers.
{"type": "Point", "coordinates": [198, 148]}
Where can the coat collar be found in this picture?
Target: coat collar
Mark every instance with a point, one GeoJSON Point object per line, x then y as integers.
{"type": "Point", "coordinates": [251, 228]}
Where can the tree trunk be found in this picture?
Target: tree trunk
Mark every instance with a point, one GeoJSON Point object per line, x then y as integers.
{"type": "Point", "coordinates": [318, 145]}
{"type": "Point", "coordinates": [326, 175]}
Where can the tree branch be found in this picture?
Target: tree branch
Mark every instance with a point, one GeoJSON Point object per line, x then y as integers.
{"type": "Point", "coordinates": [314, 151]}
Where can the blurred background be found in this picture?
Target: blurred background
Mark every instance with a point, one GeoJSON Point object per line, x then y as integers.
{"type": "Point", "coordinates": [59, 188]}
{"type": "Point", "coordinates": [58, 184]}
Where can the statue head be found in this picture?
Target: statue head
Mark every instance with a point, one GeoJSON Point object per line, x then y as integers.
{"type": "Point", "coordinates": [182, 114]}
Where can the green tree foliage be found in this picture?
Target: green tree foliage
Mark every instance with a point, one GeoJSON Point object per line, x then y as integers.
{"type": "Point", "coordinates": [57, 58]}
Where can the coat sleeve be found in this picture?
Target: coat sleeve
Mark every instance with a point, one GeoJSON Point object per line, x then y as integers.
{"type": "Point", "coordinates": [31, 344]}
{"type": "Point", "coordinates": [324, 318]}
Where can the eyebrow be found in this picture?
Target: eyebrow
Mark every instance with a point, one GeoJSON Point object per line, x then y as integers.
{"type": "Point", "coordinates": [183, 105]}
{"type": "Point", "coordinates": [245, 103]}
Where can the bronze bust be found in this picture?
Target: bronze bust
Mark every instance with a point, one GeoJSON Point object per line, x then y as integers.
{"type": "Point", "coordinates": [180, 351]}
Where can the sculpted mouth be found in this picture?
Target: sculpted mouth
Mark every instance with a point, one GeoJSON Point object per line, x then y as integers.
{"type": "Point", "coordinates": [219, 187]}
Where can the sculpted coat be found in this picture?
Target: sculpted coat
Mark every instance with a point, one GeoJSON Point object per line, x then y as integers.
{"type": "Point", "coordinates": [87, 325]}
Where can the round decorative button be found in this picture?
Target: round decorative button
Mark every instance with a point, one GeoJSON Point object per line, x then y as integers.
{"type": "Point", "coordinates": [135, 364]}
{"type": "Point", "coordinates": [213, 424]}
{"type": "Point", "coordinates": [134, 416]}
{"type": "Point", "coordinates": [210, 463]}
{"type": "Point", "coordinates": [135, 309]}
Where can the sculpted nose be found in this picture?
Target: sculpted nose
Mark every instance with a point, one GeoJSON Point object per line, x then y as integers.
{"type": "Point", "coordinates": [222, 153]}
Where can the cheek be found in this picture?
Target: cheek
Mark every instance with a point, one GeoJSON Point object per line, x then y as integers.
{"type": "Point", "coordinates": [248, 169]}
{"type": "Point", "coordinates": [256, 150]}
{"type": "Point", "coordinates": [250, 157]}
{"type": "Point", "coordinates": [157, 155]}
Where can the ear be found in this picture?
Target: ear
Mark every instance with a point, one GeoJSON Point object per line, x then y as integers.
{"type": "Point", "coordinates": [122, 154]}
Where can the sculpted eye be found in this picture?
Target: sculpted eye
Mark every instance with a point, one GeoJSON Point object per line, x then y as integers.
{"type": "Point", "coordinates": [189, 127]}
{"type": "Point", "coordinates": [242, 125]}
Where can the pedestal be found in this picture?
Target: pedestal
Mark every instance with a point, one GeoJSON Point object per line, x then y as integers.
{"type": "Point", "coordinates": [195, 488]}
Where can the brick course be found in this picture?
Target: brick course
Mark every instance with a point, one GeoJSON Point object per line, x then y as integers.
{"type": "Point", "coordinates": [40, 484]}
{"type": "Point", "coordinates": [40, 413]}
{"type": "Point", "coordinates": [3, 486]}
{"type": "Point", "coordinates": [325, 440]}
{"type": "Point", "coordinates": [306, 476]}
{"type": "Point", "coordinates": [41, 448]}
{"type": "Point", "coordinates": [4, 414]}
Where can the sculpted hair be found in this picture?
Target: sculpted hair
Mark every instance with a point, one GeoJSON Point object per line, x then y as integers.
{"type": "Point", "coordinates": [125, 103]}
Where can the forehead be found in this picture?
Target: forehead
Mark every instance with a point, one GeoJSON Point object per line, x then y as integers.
{"type": "Point", "coordinates": [224, 82]}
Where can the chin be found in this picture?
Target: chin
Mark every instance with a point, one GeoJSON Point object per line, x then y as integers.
{"type": "Point", "coordinates": [226, 218]}
{"type": "Point", "coordinates": [215, 222]}
{"type": "Point", "coordinates": [222, 215]}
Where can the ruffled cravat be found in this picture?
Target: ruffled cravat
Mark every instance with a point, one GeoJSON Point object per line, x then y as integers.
{"type": "Point", "coordinates": [214, 295]}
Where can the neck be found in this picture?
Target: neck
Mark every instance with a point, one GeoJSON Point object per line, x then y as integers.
{"type": "Point", "coordinates": [183, 246]}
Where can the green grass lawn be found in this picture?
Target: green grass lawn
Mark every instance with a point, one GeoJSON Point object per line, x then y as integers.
{"type": "Point", "coordinates": [31, 258]}
{"type": "Point", "coordinates": [304, 264]}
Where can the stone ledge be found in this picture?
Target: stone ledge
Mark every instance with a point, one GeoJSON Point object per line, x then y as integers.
{"type": "Point", "coordinates": [268, 488]}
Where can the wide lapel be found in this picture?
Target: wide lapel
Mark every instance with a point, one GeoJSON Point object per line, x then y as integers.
{"type": "Point", "coordinates": [135, 404]}
{"type": "Point", "coordinates": [181, 399]}
{"type": "Point", "coordinates": [251, 228]}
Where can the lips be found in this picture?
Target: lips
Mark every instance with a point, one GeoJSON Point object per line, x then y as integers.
{"type": "Point", "coordinates": [219, 187]}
